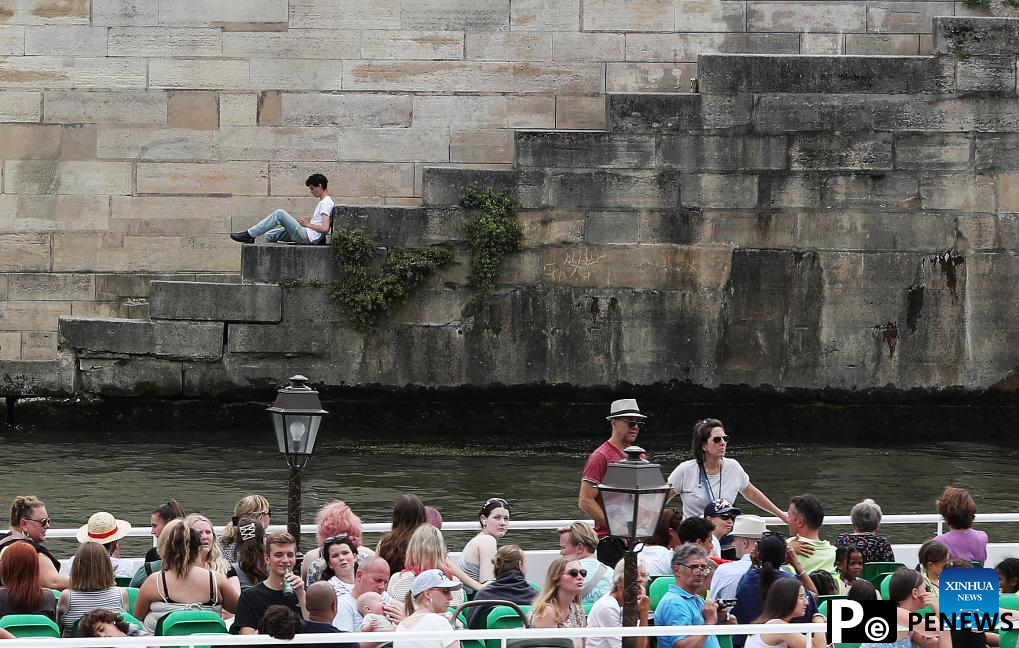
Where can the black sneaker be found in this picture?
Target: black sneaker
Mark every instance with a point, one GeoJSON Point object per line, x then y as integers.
{"type": "Point", "coordinates": [243, 237]}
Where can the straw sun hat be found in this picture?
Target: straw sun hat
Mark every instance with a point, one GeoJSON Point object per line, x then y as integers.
{"type": "Point", "coordinates": [103, 528]}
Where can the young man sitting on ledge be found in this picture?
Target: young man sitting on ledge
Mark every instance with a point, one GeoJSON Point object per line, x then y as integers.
{"type": "Point", "coordinates": [281, 226]}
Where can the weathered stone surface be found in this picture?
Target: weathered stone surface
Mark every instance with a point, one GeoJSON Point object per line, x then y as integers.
{"type": "Point", "coordinates": [823, 44]}
{"type": "Point", "coordinates": [206, 74]}
{"type": "Point", "coordinates": [976, 36]}
{"type": "Point", "coordinates": [32, 315]}
{"type": "Point", "coordinates": [648, 113]}
{"type": "Point", "coordinates": [838, 151]}
{"type": "Point", "coordinates": [883, 44]}
{"type": "Point", "coordinates": [612, 189]}
{"type": "Point", "coordinates": [271, 263]}
{"type": "Point", "coordinates": [985, 75]}
{"type": "Point", "coordinates": [39, 177]}
{"type": "Point", "coordinates": [357, 179]}
{"type": "Point", "coordinates": [545, 15]}
{"type": "Point", "coordinates": [484, 112]}
{"type": "Point", "coordinates": [726, 191]}
{"type": "Point", "coordinates": [134, 377]}
{"type": "Point", "coordinates": [872, 190]}
{"type": "Point", "coordinates": [995, 151]}
{"type": "Point", "coordinates": [962, 192]}
{"type": "Point", "coordinates": [942, 151]}
{"type": "Point", "coordinates": [360, 110]}
{"type": "Point", "coordinates": [807, 17]}
{"type": "Point", "coordinates": [238, 109]}
{"type": "Point", "coordinates": [47, 142]}
{"type": "Point", "coordinates": [296, 74]}
{"type": "Point", "coordinates": [804, 74]}
{"type": "Point", "coordinates": [64, 40]}
{"type": "Point", "coordinates": [163, 339]}
{"type": "Point", "coordinates": [664, 267]}
{"type": "Point", "coordinates": [458, 76]}
{"type": "Point", "coordinates": [379, 44]}
{"type": "Point", "coordinates": [38, 345]}
{"type": "Point", "coordinates": [173, 300]}
{"type": "Point", "coordinates": [585, 46]}
{"type": "Point", "coordinates": [393, 144]}
{"type": "Point", "coordinates": [37, 378]}
{"type": "Point", "coordinates": [687, 47]}
{"type": "Point", "coordinates": [140, 107]}
{"type": "Point", "coordinates": [649, 77]}
{"type": "Point", "coordinates": [20, 106]}
{"type": "Point", "coordinates": [505, 46]}
{"type": "Point", "coordinates": [893, 17]}
{"type": "Point", "coordinates": [120, 143]}
{"type": "Point", "coordinates": [481, 146]}
{"type": "Point", "coordinates": [56, 72]}
{"type": "Point", "coordinates": [46, 12]}
{"type": "Point", "coordinates": [223, 11]}
{"type": "Point", "coordinates": [584, 150]}
{"type": "Point", "coordinates": [344, 14]}
{"type": "Point", "coordinates": [235, 373]}
{"type": "Point", "coordinates": [640, 15]}
{"type": "Point", "coordinates": [125, 12]}
{"type": "Point", "coordinates": [445, 187]}
{"type": "Point", "coordinates": [131, 253]}
{"type": "Point", "coordinates": [10, 345]}
{"type": "Point", "coordinates": [727, 153]}
{"type": "Point", "coordinates": [164, 42]}
{"type": "Point", "coordinates": [261, 143]}
{"type": "Point", "coordinates": [228, 178]}
{"type": "Point", "coordinates": [197, 110]}
{"type": "Point", "coordinates": [584, 113]}
{"type": "Point", "coordinates": [51, 287]}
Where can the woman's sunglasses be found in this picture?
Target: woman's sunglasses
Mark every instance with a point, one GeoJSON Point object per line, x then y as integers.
{"type": "Point", "coordinates": [576, 572]}
{"type": "Point", "coordinates": [335, 539]}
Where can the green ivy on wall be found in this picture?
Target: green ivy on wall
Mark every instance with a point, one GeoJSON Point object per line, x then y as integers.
{"type": "Point", "coordinates": [493, 233]}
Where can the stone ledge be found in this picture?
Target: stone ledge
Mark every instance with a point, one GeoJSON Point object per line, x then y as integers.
{"type": "Point", "coordinates": [443, 187]}
{"type": "Point", "coordinates": [161, 339]}
{"type": "Point", "coordinates": [404, 226]}
{"type": "Point", "coordinates": [965, 37]}
{"type": "Point", "coordinates": [271, 262]}
{"type": "Point", "coordinates": [27, 378]}
{"type": "Point", "coordinates": [647, 113]}
{"type": "Point", "coordinates": [751, 73]}
{"type": "Point", "coordinates": [181, 300]}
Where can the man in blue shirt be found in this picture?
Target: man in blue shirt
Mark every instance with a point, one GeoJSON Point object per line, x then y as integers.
{"type": "Point", "coordinates": [682, 606]}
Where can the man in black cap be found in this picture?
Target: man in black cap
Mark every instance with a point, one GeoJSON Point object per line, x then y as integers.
{"type": "Point", "coordinates": [722, 514]}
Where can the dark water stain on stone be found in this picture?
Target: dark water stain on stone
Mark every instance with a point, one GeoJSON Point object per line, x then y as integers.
{"type": "Point", "coordinates": [613, 305]}
{"type": "Point", "coordinates": [797, 257]}
{"type": "Point", "coordinates": [595, 309]}
{"type": "Point", "coordinates": [890, 333]}
{"type": "Point", "coordinates": [914, 304]}
{"type": "Point", "coordinates": [946, 263]}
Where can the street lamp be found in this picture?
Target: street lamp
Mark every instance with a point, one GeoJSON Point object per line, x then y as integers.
{"type": "Point", "coordinates": [633, 494]}
{"type": "Point", "coordinates": [296, 416]}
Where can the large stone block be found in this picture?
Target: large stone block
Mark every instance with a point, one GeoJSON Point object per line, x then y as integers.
{"type": "Point", "coordinates": [729, 74]}
{"type": "Point", "coordinates": [278, 339]}
{"type": "Point", "coordinates": [394, 144]}
{"type": "Point", "coordinates": [125, 12]}
{"type": "Point", "coordinates": [468, 15]}
{"type": "Point", "coordinates": [722, 152]}
{"type": "Point", "coordinates": [38, 345]}
{"type": "Point", "coordinates": [38, 378]}
{"type": "Point", "coordinates": [159, 42]}
{"type": "Point", "coordinates": [129, 253]}
{"type": "Point", "coordinates": [893, 17]}
{"type": "Point", "coordinates": [584, 150]}
{"type": "Point", "coordinates": [652, 113]}
{"type": "Point", "coordinates": [379, 44]}
{"type": "Point", "coordinates": [403, 226]}
{"type": "Point", "coordinates": [941, 151]}
{"type": "Point", "coordinates": [261, 143]}
{"type": "Point", "coordinates": [723, 191]}
{"type": "Point", "coordinates": [711, 16]}
{"type": "Point", "coordinates": [47, 142]}
{"type": "Point", "coordinates": [346, 110]}
{"type": "Point", "coordinates": [481, 146]}
{"type": "Point", "coordinates": [810, 17]}
{"type": "Point", "coordinates": [445, 187]}
{"type": "Point", "coordinates": [12, 40]}
{"type": "Point", "coordinates": [161, 338]}
{"type": "Point", "coordinates": [273, 262]}
{"type": "Point", "coordinates": [473, 76]}
{"type": "Point", "coordinates": [178, 300]}
{"type": "Point", "coordinates": [74, 213]}
{"type": "Point", "coordinates": [823, 44]}
{"type": "Point", "coordinates": [583, 113]}
{"type": "Point", "coordinates": [962, 192]}
{"type": "Point", "coordinates": [239, 109]}
{"type": "Point", "coordinates": [649, 77]}
{"type": "Point", "coordinates": [837, 151]}
{"type": "Point", "coordinates": [65, 40]}
{"type": "Point", "coordinates": [986, 113]}
{"type": "Point", "coordinates": [813, 112]}
{"type": "Point", "coordinates": [611, 227]}
{"type": "Point", "coordinates": [985, 75]}
{"type": "Point", "coordinates": [235, 374]}
{"type": "Point", "coordinates": [32, 315]}
{"type": "Point", "coordinates": [506, 46]}
{"type": "Point", "coordinates": [24, 253]}
{"type": "Point", "coordinates": [192, 109]}
{"type": "Point", "coordinates": [293, 44]}
{"type": "Point", "coordinates": [106, 107]}
{"type": "Point", "coordinates": [120, 286]}
{"type": "Point", "coordinates": [357, 179]}
{"type": "Point", "coordinates": [345, 14]}
{"type": "Point", "coordinates": [968, 36]}
{"type": "Point", "coordinates": [687, 47]}
{"type": "Point", "coordinates": [545, 15]}
{"type": "Point", "coordinates": [1008, 193]}
{"type": "Point", "coordinates": [883, 44]}
{"type": "Point", "coordinates": [64, 72]}
{"type": "Point", "coordinates": [10, 345]}
{"type": "Point", "coordinates": [46, 177]}
{"type": "Point", "coordinates": [227, 178]}
{"type": "Point", "coordinates": [134, 377]}
{"type": "Point", "coordinates": [120, 143]}
{"type": "Point", "coordinates": [45, 12]}
{"type": "Point", "coordinates": [218, 74]}
{"type": "Point", "coordinates": [660, 267]}
{"type": "Point", "coordinates": [996, 151]}
{"type": "Point", "coordinates": [214, 13]}
{"type": "Point", "coordinates": [20, 106]}
{"type": "Point", "coordinates": [51, 287]}
{"type": "Point", "coordinates": [635, 15]}
{"type": "Point", "coordinates": [484, 112]}
{"type": "Point", "coordinates": [614, 189]}
{"type": "Point", "coordinates": [585, 46]}
{"type": "Point", "coordinates": [296, 74]}
{"type": "Point", "coordinates": [872, 190]}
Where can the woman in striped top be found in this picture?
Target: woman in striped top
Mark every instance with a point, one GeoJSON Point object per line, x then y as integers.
{"type": "Point", "coordinates": [93, 587]}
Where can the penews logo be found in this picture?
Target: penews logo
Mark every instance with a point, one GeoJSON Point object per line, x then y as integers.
{"type": "Point", "coordinates": [862, 621]}
{"type": "Point", "coordinates": [969, 597]}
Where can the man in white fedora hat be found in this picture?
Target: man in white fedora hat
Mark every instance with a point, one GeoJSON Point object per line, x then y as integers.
{"type": "Point", "coordinates": [102, 528]}
{"type": "Point", "coordinates": [746, 531]}
{"type": "Point", "coordinates": [625, 421]}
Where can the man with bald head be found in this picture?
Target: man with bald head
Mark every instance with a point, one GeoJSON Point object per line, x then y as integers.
{"type": "Point", "coordinates": [320, 599]}
{"type": "Point", "coordinates": [370, 575]}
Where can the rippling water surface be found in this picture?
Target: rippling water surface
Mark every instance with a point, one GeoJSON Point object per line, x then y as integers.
{"type": "Point", "coordinates": [128, 475]}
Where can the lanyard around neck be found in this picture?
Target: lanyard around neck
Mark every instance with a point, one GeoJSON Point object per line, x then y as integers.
{"type": "Point", "coordinates": [707, 482]}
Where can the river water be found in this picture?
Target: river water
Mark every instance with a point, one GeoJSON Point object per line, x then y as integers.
{"type": "Point", "coordinates": [129, 473]}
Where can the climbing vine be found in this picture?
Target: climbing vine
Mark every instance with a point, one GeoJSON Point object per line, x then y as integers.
{"type": "Point", "coordinates": [493, 233]}
{"type": "Point", "coordinates": [366, 295]}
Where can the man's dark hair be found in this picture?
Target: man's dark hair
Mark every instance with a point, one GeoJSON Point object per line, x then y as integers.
{"type": "Point", "coordinates": [695, 529]}
{"type": "Point", "coordinates": [809, 508]}
{"type": "Point", "coordinates": [279, 622]}
{"type": "Point", "coordinates": [317, 180]}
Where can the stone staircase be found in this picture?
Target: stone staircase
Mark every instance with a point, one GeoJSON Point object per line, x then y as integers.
{"type": "Point", "coordinates": [802, 223]}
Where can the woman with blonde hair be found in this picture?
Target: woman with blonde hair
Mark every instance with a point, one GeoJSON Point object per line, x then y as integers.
{"type": "Point", "coordinates": [430, 594]}
{"type": "Point", "coordinates": [211, 556]}
{"type": "Point", "coordinates": [93, 587]}
{"type": "Point", "coordinates": [558, 604]}
{"type": "Point", "coordinates": [182, 584]}
{"type": "Point", "coordinates": [427, 550]}
{"type": "Point", "coordinates": [29, 521]}
{"type": "Point", "coordinates": [253, 506]}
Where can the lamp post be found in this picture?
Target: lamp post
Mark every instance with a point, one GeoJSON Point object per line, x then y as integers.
{"type": "Point", "coordinates": [296, 416]}
{"type": "Point", "coordinates": [633, 494]}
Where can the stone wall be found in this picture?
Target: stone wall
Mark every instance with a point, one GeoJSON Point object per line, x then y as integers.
{"type": "Point", "coordinates": [134, 134]}
{"type": "Point", "coordinates": [804, 225]}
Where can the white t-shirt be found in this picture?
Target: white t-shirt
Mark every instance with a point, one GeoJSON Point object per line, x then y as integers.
{"type": "Point", "coordinates": [605, 613]}
{"type": "Point", "coordinates": [657, 560]}
{"type": "Point", "coordinates": [726, 578]}
{"type": "Point", "coordinates": [687, 482]}
{"type": "Point", "coordinates": [347, 618]}
{"type": "Point", "coordinates": [324, 208]}
{"type": "Point", "coordinates": [430, 621]}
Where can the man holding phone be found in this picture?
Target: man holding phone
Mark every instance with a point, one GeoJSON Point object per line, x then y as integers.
{"type": "Point", "coordinates": [682, 606]}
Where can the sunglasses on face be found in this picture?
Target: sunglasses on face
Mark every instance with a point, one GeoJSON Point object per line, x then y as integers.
{"type": "Point", "coordinates": [335, 539]}
{"type": "Point", "coordinates": [43, 522]}
{"type": "Point", "coordinates": [725, 516]}
{"type": "Point", "coordinates": [720, 439]}
{"type": "Point", "coordinates": [576, 572]}
{"type": "Point", "coordinates": [634, 424]}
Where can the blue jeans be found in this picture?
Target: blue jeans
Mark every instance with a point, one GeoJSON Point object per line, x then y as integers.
{"type": "Point", "coordinates": [280, 226]}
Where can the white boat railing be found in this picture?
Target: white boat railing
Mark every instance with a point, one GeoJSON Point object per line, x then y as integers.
{"type": "Point", "coordinates": [444, 636]}
{"type": "Point", "coordinates": [539, 525]}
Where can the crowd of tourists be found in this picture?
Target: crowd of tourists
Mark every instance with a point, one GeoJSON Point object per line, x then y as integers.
{"type": "Point", "coordinates": [725, 566]}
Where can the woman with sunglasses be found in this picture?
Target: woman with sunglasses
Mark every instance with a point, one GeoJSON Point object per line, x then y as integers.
{"type": "Point", "coordinates": [558, 604]}
{"type": "Point", "coordinates": [429, 597]}
{"type": "Point", "coordinates": [340, 557]}
{"type": "Point", "coordinates": [29, 521]}
{"type": "Point", "coordinates": [711, 476]}
{"type": "Point", "coordinates": [478, 555]}
{"type": "Point", "coordinates": [787, 600]}
{"type": "Point", "coordinates": [333, 520]}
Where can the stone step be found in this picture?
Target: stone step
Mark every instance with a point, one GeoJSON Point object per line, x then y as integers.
{"type": "Point", "coordinates": [443, 187]}
{"type": "Point", "coordinates": [404, 226]}
{"type": "Point", "coordinates": [220, 302]}
{"type": "Point", "coordinates": [271, 262]}
{"type": "Point", "coordinates": [105, 337]}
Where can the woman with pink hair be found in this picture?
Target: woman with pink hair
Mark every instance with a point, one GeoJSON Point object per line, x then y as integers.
{"type": "Point", "coordinates": [334, 520]}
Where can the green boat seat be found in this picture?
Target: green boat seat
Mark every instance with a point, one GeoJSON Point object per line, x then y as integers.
{"type": "Point", "coordinates": [30, 625]}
